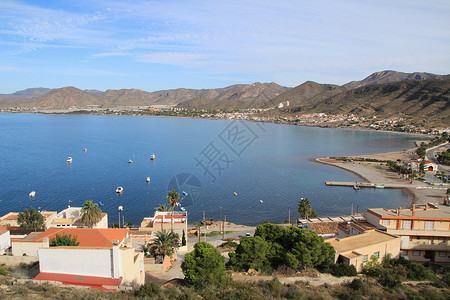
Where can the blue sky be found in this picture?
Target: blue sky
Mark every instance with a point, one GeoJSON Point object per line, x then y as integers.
{"type": "Point", "coordinates": [158, 45]}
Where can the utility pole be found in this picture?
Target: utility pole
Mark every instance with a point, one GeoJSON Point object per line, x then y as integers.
{"type": "Point", "coordinates": [289, 216]}
{"type": "Point", "coordinates": [223, 232]}
{"type": "Point", "coordinates": [220, 217]}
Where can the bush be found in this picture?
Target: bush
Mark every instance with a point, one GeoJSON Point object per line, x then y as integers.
{"type": "Point", "coordinates": [204, 266]}
{"type": "Point", "coordinates": [390, 280]}
{"type": "Point", "coordinates": [150, 289]}
{"type": "Point", "coordinates": [340, 270]}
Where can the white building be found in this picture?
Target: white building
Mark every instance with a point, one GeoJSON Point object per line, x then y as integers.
{"type": "Point", "coordinates": [102, 260]}
{"type": "Point", "coordinates": [5, 241]}
{"type": "Point", "coordinates": [71, 217]}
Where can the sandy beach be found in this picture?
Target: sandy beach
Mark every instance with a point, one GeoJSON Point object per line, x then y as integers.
{"type": "Point", "coordinates": [378, 173]}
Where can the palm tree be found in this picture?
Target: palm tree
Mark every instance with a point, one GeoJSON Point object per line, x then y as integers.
{"type": "Point", "coordinates": [91, 214]}
{"type": "Point", "coordinates": [173, 198]}
{"type": "Point", "coordinates": [165, 244]}
{"type": "Point", "coordinates": [305, 209]}
{"type": "Point", "coordinates": [163, 207]}
{"type": "Point", "coordinates": [30, 219]}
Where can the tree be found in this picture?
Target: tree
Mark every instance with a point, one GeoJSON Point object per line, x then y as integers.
{"type": "Point", "coordinates": [203, 266]}
{"type": "Point", "coordinates": [251, 253]}
{"type": "Point", "coordinates": [91, 214]}
{"type": "Point", "coordinates": [305, 209]}
{"type": "Point", "coordinates": [165, 244]}
{"type": "Point", "coordinates": [173, 198]}
{"type": "Point", "coordinates": [31, 219]}
{"type": "Point", "coordinates": [292, 247]}
{"type": "Point", "coordinates": [183, 239]}
{"type": "Point", "coordinates": [163, 207]}
{"type": "Point", "coordinates": [64, 240]}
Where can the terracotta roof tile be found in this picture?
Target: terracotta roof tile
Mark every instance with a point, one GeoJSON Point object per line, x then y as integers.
{"type": "Point", "coordinates": [88, 237]}
{"type": "Point", "coordinates": [324, 227]}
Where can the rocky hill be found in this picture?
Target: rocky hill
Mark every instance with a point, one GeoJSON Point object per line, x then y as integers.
{"type": "Point", "coordinates": [244, 94]}
{"type": "Point", "coordinates": [414, 99]}
{"type": "Point", "coordinates": [22, 96]}
{"type": "Point", "coordinates": [389, 76]}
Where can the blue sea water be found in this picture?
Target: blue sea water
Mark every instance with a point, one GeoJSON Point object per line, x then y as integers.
{"type": "Point", "coordinates": [217, 163]}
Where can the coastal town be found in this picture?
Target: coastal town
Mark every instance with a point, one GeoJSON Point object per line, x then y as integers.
{"type": "Point", "coordinates": [349, 121]}
{"type": "Point", "coordinates": [71, 249]}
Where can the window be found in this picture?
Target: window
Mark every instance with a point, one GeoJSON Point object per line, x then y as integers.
{"type": "Point", "coordinates": [429, 225]}
{"type": "Point", "coordinates": [366, 258]}
{"type": "Point", "coordinates": [406, 225]}
{"type": "Point", "coordinates": [377, 254]}
{"type": "Point", "coordinates": [416, 253]}
{"type": "Point", "coordinates": [442, 254]}
{"type": "Point", "coordinates": [441, 241]}
{"type": "Point", "coordinates": [404, 253]}
{"type": "Point", "coordinates": [385, 222]}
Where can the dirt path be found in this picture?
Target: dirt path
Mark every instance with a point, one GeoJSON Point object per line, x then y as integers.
{"type": "Point", "coordinates": [318, 280]}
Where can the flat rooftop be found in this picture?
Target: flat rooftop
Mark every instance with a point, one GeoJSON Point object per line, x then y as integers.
{"type": "Point", "coordinates": [352, 243]}
{"type": "Point", "coordinates": [430, 210]}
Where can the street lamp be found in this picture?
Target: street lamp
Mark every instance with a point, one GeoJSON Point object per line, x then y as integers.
{"type": "Point", "coordinates": [120, 208]}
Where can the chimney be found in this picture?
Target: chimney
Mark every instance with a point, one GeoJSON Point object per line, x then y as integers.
{"type": "Point", "coordinates": [413, 213]}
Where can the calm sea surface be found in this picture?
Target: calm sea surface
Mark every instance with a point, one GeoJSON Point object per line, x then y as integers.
{"type": "Point", "coordinates": [227, 164]}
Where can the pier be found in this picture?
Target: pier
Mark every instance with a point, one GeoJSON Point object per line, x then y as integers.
{"type": "Point", "coordinates": [383, 185]}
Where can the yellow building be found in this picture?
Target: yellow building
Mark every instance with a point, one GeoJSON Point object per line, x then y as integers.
{"type": "Point", "coordinates": [424, 230]}
{"type": "Point", "coordinates": [358, 249]}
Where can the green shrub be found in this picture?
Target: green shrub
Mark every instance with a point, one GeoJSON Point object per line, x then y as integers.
{"type": "Point", "coordinates": [390, 280]}
{"type": "Point", "coordinates": [3, 271]}
{"type": "Point", "coordinates": [340, 270]}
{"type": "Point", "coordinates": [204, 266]}
{"type": "Point", "coordinates": [150, 289]}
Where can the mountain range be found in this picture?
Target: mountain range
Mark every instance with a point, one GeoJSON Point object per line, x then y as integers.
{"type": "Point", "coordinates": [386, 93]}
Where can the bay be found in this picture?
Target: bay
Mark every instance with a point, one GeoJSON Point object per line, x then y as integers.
{"type": "Point", "coordinates": [252, 172]}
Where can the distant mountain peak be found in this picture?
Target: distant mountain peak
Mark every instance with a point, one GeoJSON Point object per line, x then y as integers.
{"type": "Point", "coordinates": [388, 76]}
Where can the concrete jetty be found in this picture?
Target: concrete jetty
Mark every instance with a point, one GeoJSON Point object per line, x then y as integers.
{"type": "Point", "coordinates": [382, 185]}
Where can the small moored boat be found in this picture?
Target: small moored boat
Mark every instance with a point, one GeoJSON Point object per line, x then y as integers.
{"type": "Point", "coordinates": [130, 161]}
{"type": "Point", "coordinates": [32, 194]}
{"type": "Point", "coordinates": [355, 187]}
{"type": "Point", "coordinates": [381, 186]}
{"type": "Point", "coordinates": [147, 179]}
{"type": "Point", "coordinates": [69, 159]}
{"type": "Point", "coordinates": [119, 189]}
{"type": "Point", "coordinates": [152, 157]}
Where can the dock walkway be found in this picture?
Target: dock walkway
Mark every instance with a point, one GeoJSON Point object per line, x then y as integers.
{"type": "Point", "coordinates": [383, 185]}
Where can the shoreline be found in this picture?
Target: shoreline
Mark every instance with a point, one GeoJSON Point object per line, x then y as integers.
{"type": "Point", "coordinates": [378, 173]}
{"type": "Point", "coordinates": [410, 191]}
{"type": "Point", "coordinates": [415, 134]}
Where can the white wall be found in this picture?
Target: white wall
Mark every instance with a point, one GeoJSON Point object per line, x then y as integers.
{"type": "Point", "coordinates": [5, 241]}
{"type": "Point", "coordinates": [88, 262]}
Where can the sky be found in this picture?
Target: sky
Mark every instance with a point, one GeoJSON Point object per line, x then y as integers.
{"type": "Point", "coordinates": [159, 45]}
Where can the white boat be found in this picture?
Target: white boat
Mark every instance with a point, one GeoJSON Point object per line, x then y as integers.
{"type": "Point", "coordinates": [130, 161]}
{"type": "Point", "coordinates": [119, 189]}
{"type": "Point", "coordinates": [147, 179]}
{"type": "Point", "coordinates": [260, 201]}
{"type": "Point", "coordinates": [152, 157]}
{"type": "Point", "coordinates": [32, 194]}
{"type": "Point", "coordinates": [379, 186]}
{"type": "Point", "coordinates": [69, 159]}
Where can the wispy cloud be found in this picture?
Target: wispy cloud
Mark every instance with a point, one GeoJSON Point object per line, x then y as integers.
{"type": "Point", "coordinates": [266, 40]}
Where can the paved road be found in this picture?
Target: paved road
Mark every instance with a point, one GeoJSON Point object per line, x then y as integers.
{"type": "Point", "coordinates": [431, 156]}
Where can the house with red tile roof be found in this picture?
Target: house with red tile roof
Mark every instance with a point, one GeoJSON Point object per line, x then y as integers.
{"type": "Point", "coordinates": [103, 259]}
